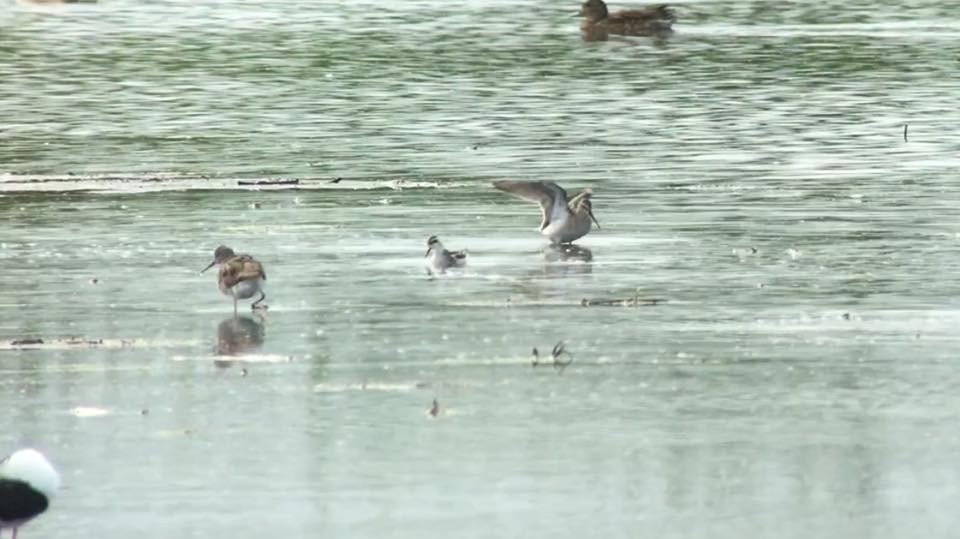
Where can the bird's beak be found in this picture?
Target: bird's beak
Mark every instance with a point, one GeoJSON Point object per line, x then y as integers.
{"type": "Point", "coordinates": [426, 253]}
{"type": "Point", "coordinates": [208, 267]}
{"type": "Point", "coordinates": [590, 211]}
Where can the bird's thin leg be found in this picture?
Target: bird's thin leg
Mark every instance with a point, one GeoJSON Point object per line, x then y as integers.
{"type": "Point", "coordinates": [14, 536]}
{"type": "Point", "coordinates": [234, 306]}
{"type": "Point", "coordinates": [256, 304]}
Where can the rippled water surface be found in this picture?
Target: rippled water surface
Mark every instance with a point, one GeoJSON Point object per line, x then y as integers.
{"type": "Point", "coordinates": [798, 379]}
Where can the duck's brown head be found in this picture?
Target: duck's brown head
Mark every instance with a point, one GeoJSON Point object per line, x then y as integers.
{"type": "Point", "coordinates": [594, 10]}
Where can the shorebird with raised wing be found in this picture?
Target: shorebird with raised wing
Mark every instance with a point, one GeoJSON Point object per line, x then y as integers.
{"type": "Point", "coordinates": [563, 221]}
{"type": "Point", "coordinates": [439, 260]}
{"type": "Point", "coordinates": [27, 484]}
{"type": "Point", "coordinates": [240, 277]}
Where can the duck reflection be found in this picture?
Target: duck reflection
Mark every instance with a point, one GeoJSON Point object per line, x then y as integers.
{"type": "Point", "coordinates": [239, 335]}
{"type": "Point", "coordinates": [562, 260]}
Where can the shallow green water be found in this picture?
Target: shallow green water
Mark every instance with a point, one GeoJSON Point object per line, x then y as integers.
{"type": "Point", "coordinates": [799, 380]}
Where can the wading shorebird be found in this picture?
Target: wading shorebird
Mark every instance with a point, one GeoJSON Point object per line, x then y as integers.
{"type": "Point", "coordinates": [241, 277]}
{"type": "Point", "coordinates": [563, 221]}
{"type": "Point", "coordinates": [27, 484]}
{"type": "Point", "coordinates": [646, 21]}
{"type": "Point", "coordinates": [439, 260]}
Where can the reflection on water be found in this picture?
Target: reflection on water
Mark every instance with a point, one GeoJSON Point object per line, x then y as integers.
{"type": "Point", "coordinates": [567, 253]}
{"type": "Point", "coordinates": [239, 335]}
{"type": "Point", "coordinates": [564, 260]}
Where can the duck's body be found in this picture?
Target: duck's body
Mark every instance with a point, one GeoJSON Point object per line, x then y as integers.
{"type": "Point", "coordinates": [598, 23]}
{"type": "Point", "coordinates": [562, 221]}
{"type": "Point", "coordinates": [240, 276]}
{"type": "Point", "coordinates": [439, 260]}
{"type": "Point", "coordinates": [27, 484]}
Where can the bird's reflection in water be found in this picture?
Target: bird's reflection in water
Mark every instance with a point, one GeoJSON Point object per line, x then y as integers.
{"type": "Point", "coordinates": [239, 335]}
{"type": "Point", "coordinates": [561, 260]}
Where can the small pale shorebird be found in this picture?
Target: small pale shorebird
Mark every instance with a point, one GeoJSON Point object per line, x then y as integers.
{"type": "Point", "coordinates": [598, 22]}
{"type": "Point", "coordinates": [240, 277]}
{"type": "Point", "coordinates": [439, 260]}
{"type": "Point", "coordinates": [27, 484]}
{"type": "Point", "coordinates": [563, 221]}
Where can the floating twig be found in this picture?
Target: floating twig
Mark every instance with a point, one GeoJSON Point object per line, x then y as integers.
{"type": "Point", "coordinates": [269, 182]}
{"type": "Point", "coordinates": [905, 126]}
{"type": "Point", "coordinates": [78, 341]}
{"type": "Point", "coordinates": [628, 302]}
{"type": "Point", "coordinates": [338, 179]}
{"type": "Point", "coordinates": [21, 342]}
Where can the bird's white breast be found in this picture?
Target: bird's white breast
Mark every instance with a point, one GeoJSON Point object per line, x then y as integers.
{"type": "Point", "coordinates": [246, 289]}
{"type": "Point", "coordinates": [558, 222]}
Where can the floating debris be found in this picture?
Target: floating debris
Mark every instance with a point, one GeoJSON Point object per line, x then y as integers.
{"type": "Point", "coordinates": [434, 409]}
{"type": "Point", "coordinates": [559, 350]}
{"type": "Point", "coordinates": [81, 343]}
{"type": "Point", "coordinates": [88, 411]}
{"type": "Point", "coordinates": [629, 302]}
{"type": "Point", "coordinates": [94, 280]}
{"type": "Point", "coordinates": [25, 342]}
{"type": "Point", "coordinates": [145, 411]}
{"type": "Point", "coordinates": [905, 126]}
{"type": "Point", "coordinates": [243, 372]}
{"type": "Point", "coordinates": [68, 342]}
{"type": "Point", "coordinates": [338, 179]}
{"type": "Point", "coordinates": [294, 181]}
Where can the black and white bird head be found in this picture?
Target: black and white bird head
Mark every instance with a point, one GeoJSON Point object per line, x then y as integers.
{"type": "Point", "coordinates": [27, 484]}
{"type": "Point", "coordinates": [433, 242]}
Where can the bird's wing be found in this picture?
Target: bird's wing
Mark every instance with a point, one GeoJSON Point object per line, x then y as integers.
{"type": "Point", "coordinates": [240, 268]}
{"type": "Point", "coordinates": [584, 195]}
{"type": "Point", "coordinates": [651, 13]}
{"type": "Point", "coordinates": [549, 195]}
{"type": "Point", "coordinates": [456, 256]}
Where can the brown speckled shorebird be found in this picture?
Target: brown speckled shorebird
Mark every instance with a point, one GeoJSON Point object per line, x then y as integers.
{"type": "Point", "coordinates": [598, 23]}
{"type": "Point", "coordinates": [240, 277]}
{"type": "Point", "coordinates": [563, 221]}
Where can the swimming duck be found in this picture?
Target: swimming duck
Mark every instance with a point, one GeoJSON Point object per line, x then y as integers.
{"type": "Point", "coordinates": [646, 21]}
